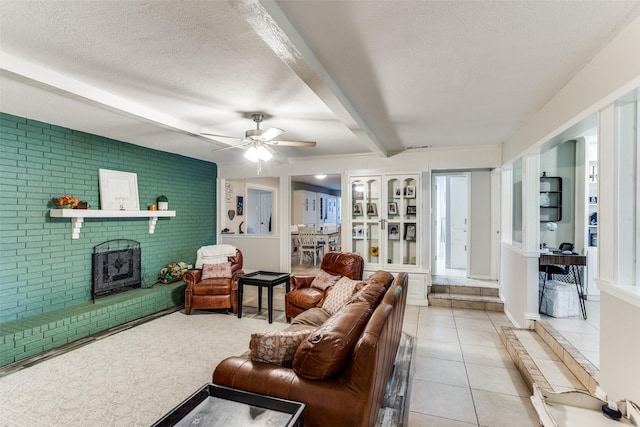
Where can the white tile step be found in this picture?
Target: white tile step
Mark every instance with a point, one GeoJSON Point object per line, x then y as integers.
{"type": "Point", "coordinates": [473, 302]}
{"type": "Point", "coordinates": [466, 289]}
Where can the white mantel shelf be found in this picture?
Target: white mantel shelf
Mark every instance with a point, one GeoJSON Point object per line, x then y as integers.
{"type": "Point", "coordinates": [78, 215]}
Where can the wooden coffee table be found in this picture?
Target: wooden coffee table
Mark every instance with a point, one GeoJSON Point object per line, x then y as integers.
{"type": "Point", "coordinates": [261, 279]}
{"type": "Point", "coordinates": [213, 405]}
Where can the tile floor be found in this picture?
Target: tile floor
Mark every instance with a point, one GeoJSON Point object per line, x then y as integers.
{"type": "Point", "coordinates": [463, 374]}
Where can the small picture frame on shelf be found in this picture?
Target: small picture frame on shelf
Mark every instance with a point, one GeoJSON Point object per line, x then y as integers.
{"type": "Point", "coordinates": [593, 200]}
{"type": "Point", "coordinates": [358, 192]}
{"type": "Point", "coordinates": [397, 191]}
{"type": "Point", "coordinates": [372, 209]}
{"type": "Point", "coordinates": [410, 232]}
{"type": "Point", "coordinates": [358, 232]}
{"type": "Point", "coordinates": [393, 208]}
{"type": "Point", "coordinates": [357, 209]}
{"type": "Point", "coordinates": [410, 192]}
{"type": "Point", "coordinates": [394, 233]}
{"type": "Point", "coordinates": [412, 210]}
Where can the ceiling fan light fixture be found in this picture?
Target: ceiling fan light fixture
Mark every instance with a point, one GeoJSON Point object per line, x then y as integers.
{"type": "Point", "coordinates": [264, 154]}
{"type": "Point", "coordinates": [252, 154]}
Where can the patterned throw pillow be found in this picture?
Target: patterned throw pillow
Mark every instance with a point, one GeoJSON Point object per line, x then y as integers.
{"type": "Point", "coordinates": [340, 294]}
{"type": "Point", "coordinates": [277, 348]}
{"type": "Point", "coordinates": [215, 271]}
{"type": "Point", "coordinates": [323, 280]}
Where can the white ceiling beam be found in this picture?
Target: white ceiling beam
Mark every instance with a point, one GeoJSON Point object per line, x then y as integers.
{"type": "Point", "coordinates": [275, 29]}
{"type": "Point", "coordinates": [52, 81]}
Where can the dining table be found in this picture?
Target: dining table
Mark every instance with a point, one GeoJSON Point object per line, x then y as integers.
{"type": "Point", "coordinates": [323, 236]}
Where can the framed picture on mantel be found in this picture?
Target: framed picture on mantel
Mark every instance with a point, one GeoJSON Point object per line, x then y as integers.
{"type": "Point", "coordinates": [118, 190]}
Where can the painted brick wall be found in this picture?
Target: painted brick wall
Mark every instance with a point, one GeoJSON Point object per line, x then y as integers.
{"type": "Point", "coordinates": [41, 267]}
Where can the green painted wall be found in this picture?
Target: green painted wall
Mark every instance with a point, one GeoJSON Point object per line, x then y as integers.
{"type": "Point", "coordinates": [41, 267]}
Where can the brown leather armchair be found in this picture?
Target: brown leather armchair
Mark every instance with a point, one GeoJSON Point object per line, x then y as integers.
{"type": "Point", "coordinates": [216, 292]}
{"type": "Point", "coordinates": [303, 296]}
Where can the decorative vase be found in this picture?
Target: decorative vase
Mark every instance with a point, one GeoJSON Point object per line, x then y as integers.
{"type": "Point", "coordinates": [163, 203]}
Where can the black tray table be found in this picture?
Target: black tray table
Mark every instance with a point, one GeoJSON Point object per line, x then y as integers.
{"type": "Point", "coordinates": [213, 405]}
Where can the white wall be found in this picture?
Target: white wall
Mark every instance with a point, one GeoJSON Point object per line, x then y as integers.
{"type": "Point", "coordinates": [517, 270]}
{"type": "Point", "coordinates": [259, 252]}
{"type": "Point", "coordinates": [611, 74]}
{"type": "Point", "coordinates": [619, 348]}
{"type": "Point", "coordinates": [463, 158]}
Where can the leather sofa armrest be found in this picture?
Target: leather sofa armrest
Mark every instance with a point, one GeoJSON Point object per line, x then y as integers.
{"type": "Point", "coordinates": [242, 373]}
{"type": "Point", "coordinates": [298, 282]}
{"type": "Point", "coordinates": [191, 277]}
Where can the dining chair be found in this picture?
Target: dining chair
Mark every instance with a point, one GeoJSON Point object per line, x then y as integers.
{"type": "Point", "coordinates": [335, 244]}
{"type": "Point", "coordinates": [309, 244]}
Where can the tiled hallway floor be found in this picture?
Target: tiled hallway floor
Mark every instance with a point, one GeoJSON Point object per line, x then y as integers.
{"type": "Point", "coordinates": [463, 374]}
{"type": "Point", "coordinates": [582, 334]}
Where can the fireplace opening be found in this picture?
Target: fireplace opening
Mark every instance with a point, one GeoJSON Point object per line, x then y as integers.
{"type": "Point", "coordinates": [115, 267]}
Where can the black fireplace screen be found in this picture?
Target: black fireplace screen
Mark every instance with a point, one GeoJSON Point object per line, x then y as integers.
{"type": "Point", "coordinates": [115, 267]}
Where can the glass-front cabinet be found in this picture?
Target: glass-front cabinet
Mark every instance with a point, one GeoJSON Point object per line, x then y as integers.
{"type": "Point", "coordinates": [385, 219]}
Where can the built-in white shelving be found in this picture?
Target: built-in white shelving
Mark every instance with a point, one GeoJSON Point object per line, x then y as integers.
{"type": "Point", "coordinates": [78, 215]}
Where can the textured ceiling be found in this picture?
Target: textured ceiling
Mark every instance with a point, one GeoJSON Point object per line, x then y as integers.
{"type": "Point", "coordinates": [356, 76]}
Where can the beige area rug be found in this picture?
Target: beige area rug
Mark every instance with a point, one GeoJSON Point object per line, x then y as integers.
{"type": "Point", "coordinates": [131, 378]}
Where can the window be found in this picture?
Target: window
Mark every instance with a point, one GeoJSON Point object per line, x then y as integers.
{"type": "Point", "coordinates": [627, 189]}
{"type": "Point", "coordinates": [516, 206]}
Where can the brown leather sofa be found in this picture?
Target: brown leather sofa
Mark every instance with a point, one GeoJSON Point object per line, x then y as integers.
{"type": "Point", "coordinates": [214, 292]}
{"type": "Point", "coordinates": [358, 345]}
{"type": "Point", "coordinates": [302, 296]}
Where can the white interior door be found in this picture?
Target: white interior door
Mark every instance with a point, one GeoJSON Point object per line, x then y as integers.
{"type": "Point", "coordinates": [458, 222]}
{"type": "Point", "coordinates": [259, 208]}
{"type": "Point", "coordinates": [265, 213]}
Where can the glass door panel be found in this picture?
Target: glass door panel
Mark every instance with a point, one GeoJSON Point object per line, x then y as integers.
{"type": "Point", "coordinates": [385, 219]}
{"type": "Point", "coordinates": [365, 196]}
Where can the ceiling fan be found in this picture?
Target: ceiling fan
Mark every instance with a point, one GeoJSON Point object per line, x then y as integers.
{"type": "Point", "coordinates": [260, 141]}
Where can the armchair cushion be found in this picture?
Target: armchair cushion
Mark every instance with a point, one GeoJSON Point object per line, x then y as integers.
{"type": "Point", "coordinates": [323, 280]}
{"type": "Point", "coordinates": [214, 271]}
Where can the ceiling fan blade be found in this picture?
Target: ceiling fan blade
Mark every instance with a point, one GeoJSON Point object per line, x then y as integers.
{"type": "Point", "coordinates": [293, 143]}
{"type": "Point", "coordinates": [271, 133]}
{"type": "Point", "coordinates": [214, 136]}
{"type": "Point", "coordinates": [231, 146]}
